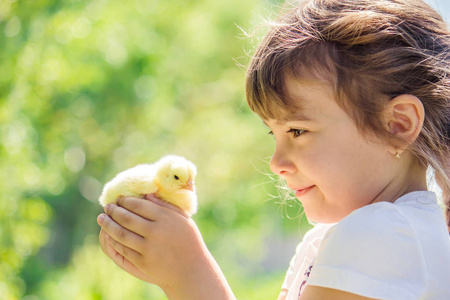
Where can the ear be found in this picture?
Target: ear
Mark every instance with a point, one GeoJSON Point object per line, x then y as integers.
{"type": "Point", "coordinates": [404, 116]}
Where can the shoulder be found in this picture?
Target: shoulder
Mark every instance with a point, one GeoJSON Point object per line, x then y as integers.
{"type": "Point", "coordinates": [391, 225]}
{"type": "Point", "coordinates": [375, 232]}
{"type": "Point", "coordinates": [371, 222]}
{"type": "Point", "coordinates": [369, 251]}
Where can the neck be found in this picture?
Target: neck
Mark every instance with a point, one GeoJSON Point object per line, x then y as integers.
{"type": "Point", "coordinates": [411, 177]}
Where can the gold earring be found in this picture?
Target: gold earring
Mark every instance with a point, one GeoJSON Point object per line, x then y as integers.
{"type": "Point", "coordinates": [397, 155]}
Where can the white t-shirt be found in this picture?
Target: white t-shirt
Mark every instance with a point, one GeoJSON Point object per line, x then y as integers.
{"type": "Point", "coordinates": [301, 264]}
{"type": "Point", "coordinates": [384, 250]}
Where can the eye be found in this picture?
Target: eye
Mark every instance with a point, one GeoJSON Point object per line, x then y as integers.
{"type": "Point", "coordinates": [270, 133]}
{"type": "Point", "coordinates": [296, 132]}
{"type": "Point", "coordinates": [176, 177]}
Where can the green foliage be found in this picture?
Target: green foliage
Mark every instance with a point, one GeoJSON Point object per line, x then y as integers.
{"type": "Point", "coordinates": [89, 88]}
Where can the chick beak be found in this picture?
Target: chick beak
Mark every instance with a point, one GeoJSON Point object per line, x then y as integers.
{"type": "Point", "coordinates": [189, 185]}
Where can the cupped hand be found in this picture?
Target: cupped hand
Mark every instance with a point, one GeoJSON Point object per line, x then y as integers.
{"type": "Point", "coordinates": [157, 242]}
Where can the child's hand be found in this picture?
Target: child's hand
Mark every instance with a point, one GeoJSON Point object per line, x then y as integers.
{"type": "Point", "coordinates": [158, 243]}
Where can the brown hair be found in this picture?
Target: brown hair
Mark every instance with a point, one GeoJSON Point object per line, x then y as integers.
{"type": "Point", "coordinates": [366, 49]}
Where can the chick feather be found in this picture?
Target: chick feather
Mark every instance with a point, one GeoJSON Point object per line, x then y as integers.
{"type": "Point", "coordinates": [171, 179]}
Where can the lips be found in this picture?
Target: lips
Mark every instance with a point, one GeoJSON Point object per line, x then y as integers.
{"type": "Point", "coordinates": [300, 192]}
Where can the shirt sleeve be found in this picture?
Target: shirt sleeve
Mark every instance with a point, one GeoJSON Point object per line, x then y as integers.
{"type": "Point", "coordinates": [373, 252]}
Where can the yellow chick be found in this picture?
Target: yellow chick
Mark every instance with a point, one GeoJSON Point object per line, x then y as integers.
{"type": "Point", "coordinates": [171, 179]}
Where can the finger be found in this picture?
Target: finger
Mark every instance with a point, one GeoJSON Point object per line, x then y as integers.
{"type": "Point", "coordinates": [119, 233]}
{"type": "Point", "coordinates": [106, 247]}
{"type": "Point", "coordinates": [128, 219]}
{"type": "Point", "coordinates": [146, 209]}
{"type": "Point", "coordinates": [160, 202]}
{"type": "Point", "coordinates": [122, 254]}
{"type": "Point", "coordinates": [101, 239]}
{"type": "Point", "coordinates": [118, 258]}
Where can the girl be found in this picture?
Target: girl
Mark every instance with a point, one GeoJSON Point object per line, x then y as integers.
{"type": "Point", "coordinates": [356, 94]}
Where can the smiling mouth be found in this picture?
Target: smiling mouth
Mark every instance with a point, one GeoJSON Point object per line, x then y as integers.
{"type": "Point", "coordinates": [301, 192]}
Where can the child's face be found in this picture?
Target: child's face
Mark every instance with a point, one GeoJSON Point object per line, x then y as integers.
{"type": "Point", "coordinates": [324, 158]}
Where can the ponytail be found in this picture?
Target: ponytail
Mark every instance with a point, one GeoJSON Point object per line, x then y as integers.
{"type": "Point", "coordinates": [446, 198]}
{"type": "Point", "coordinates": [444, 180]}
{"type": "Point", "coordinates": [446, 189]}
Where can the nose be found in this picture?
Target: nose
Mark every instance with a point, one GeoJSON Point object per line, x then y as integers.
{"type": "Point", "coordinates": [281, 162]}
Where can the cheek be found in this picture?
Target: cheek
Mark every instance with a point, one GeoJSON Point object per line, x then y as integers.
{"type": "Point", "coordinates": [353, 173]}
{"type": "Point", "coordinates": [335, 167]}
{"type": "Point", "coordinates": [323, 161]}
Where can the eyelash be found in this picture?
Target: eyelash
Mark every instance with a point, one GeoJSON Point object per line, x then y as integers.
{"type": "Point", "coordinates": [296, 132]}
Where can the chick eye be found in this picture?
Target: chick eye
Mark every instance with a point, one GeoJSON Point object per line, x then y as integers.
{"type": "Point", "coordinates": [296, 132]}
{"type": "Point", "coordinates": [176, 177]}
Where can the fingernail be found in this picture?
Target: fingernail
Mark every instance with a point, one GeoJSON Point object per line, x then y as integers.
{"type": "Point", "coordinates": [101, 218]}
{"type": "Point", "coordinates": [107, 207]}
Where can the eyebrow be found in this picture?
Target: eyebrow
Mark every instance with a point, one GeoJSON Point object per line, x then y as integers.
{"type": "Point", "coordinates": [295, 117]}
{"type": "Point", "coordinates": [291, 118]}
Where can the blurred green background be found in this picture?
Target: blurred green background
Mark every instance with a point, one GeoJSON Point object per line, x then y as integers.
{"type": "Point", "coordinates": [91, 87]}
